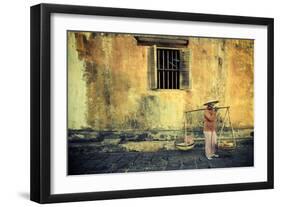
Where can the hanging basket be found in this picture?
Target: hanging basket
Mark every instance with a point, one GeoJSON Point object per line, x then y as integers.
{"type": "Point", "coordinates": [192, 120]}
{"type": "Point", "coordinates": [186, 143]}
{"type": "Point", "coordinates": [227, 145]}
{"type": "Point", "coordinates": [184, 147]}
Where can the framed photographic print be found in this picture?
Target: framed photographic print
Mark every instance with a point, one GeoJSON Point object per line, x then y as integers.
{"type": "Point", "coordinates": [133, 103]}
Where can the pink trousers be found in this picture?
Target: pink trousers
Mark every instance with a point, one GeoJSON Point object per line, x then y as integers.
{"type": "Point", "coordinates": [210, 143]}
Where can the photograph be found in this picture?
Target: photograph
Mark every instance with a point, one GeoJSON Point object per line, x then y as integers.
{"type": "Point", "coordinates": [133, 103]}
{"type": "Point", "coordinates": [156, 102]}
{"type": "Point", "coordinates": [140, 103]}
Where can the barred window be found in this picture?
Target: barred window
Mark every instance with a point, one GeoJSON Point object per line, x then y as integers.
{"type": "Point", "coordinates": [168, 65]}
{"type": "Point", "coordinates": [169, 68]}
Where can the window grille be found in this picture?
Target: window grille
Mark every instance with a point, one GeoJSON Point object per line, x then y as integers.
{"type": "Point", "coordinates": [168, 68]}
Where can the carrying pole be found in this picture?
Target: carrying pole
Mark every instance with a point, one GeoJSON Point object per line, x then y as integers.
{"type": "Point", "coordinates": [227, 115]}
{"type": "Point", "coordinates": [221, 107]}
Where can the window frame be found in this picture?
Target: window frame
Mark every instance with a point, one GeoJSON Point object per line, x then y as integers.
{"type": "Point", "coordinates": [176, 70]}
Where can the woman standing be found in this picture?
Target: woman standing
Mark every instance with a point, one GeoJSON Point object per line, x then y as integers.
{"type": "Point", "coordinates": [210, 130]}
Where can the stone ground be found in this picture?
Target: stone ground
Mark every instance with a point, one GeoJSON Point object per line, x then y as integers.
{"type": "Point", "coordinates": [91, 158]}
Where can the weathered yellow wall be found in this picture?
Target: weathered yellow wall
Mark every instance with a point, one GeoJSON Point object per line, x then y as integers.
{"type": "Point", "coordinates": [108, 83]}
{"type": "Point", "coordinates": [223, 69]}
{"type": "Point", "coordinates": [77, 87]}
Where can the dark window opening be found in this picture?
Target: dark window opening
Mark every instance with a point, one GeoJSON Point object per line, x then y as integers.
{"type": "Point", "coordinates": [168, 69]}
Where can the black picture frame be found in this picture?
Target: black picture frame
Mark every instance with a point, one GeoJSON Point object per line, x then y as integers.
{"type": "Point", "coordinates": [40, 184]}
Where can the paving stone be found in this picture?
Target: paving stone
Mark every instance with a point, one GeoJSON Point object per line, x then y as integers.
{"type": "Point", "coordinates": [91, 159]}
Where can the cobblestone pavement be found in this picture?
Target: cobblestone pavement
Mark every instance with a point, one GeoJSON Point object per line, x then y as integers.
{"type": "Point", "coordinates": [88, 158]}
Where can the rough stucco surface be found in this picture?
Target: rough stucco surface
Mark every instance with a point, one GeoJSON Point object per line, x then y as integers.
{"type": "Point", "coordinates": [108, 83]}
{"type": "Point", "coordinates": [77, 87]}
